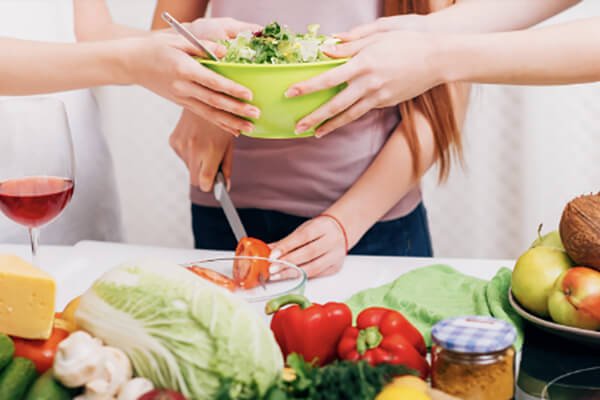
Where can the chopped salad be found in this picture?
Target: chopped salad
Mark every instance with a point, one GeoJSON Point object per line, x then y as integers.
{"type": "Point", "coordinates": [277, 45]}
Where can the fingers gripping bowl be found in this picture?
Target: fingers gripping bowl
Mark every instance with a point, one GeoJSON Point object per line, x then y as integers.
{"type": "Point", "coordinates": [268, 62]}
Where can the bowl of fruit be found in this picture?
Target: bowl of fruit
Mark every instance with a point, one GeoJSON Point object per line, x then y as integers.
{"type": "Point", "coordinates": [555, 284]}
{"type": "Point", "coordinates": [268, 62]}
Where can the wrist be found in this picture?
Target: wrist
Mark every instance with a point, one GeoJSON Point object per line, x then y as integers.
{"type": "Point", "coordinates": [124, 60]}
{"type": "Point", "coordinates": [444, 49]}
{"type": "Point", "coordinates": [352, 227]}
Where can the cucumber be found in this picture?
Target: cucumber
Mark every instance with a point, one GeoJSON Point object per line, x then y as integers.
{"type": "Point", "coordinates": [7, 351]}
{"type": "Point", "coordinates": [17, 378]}
{"type": "Point", "coordinates": [48, 388]}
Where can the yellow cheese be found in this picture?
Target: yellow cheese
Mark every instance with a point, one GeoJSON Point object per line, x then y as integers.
{"type": "Point", "coordinates": [26, 299]}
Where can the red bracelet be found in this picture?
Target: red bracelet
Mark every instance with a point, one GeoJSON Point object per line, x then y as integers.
{"type": "Point", "coordinates": [339, 223]}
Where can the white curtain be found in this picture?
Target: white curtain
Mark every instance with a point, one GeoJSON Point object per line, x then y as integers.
{"type": "Point", "coordinates": [529, 150]}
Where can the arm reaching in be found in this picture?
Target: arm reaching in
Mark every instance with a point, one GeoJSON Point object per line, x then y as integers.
{"type": "Point", "coordinates": [467, 16]}
{"type": "Point", "coordinates": [318, 246]}
{"type": "Point", "coordinates": [410, 63]}
{"type": "Point", "coordinates": [171, 72]}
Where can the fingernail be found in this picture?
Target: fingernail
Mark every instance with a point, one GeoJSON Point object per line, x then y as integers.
{"type": "Point", "coordinates": [320, 133]}
{"type": "Point", "coordinates": [328, 48]}
{"type": "Point", "coordinates": [248, 128]}
{"type": "Point", "coordinates": [247, 96]}
{"type": "Point", "coordinates": [300, 129]}
{"type": "Point", "coordinates": [292, 92]}
{"type": "Point", "coordinates": [275, 254]}
{"type": "Point", "coordinates": [275, 277]}
{"type": "Point", "coordinates": [254, 113]}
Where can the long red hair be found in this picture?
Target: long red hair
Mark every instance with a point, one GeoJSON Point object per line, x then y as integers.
{"type": "Point", "coordinates": [436, 104]}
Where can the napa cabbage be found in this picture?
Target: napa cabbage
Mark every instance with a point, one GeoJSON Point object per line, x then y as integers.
{"type": "Point", "coordinates": [182, 332]}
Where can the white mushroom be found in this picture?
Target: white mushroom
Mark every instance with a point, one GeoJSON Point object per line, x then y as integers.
{"type": "Point", "coordinates": [78, 359]}
{"type": "Point", "coordinates": [114, 374]}
{"type": "Point", "coordinates": [135, 388]}
{"type": "Point", "coordinates": [90, 396]}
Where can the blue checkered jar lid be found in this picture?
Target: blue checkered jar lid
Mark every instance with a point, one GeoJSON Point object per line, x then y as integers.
{"type": "Point", "coordinates": [474, 334]}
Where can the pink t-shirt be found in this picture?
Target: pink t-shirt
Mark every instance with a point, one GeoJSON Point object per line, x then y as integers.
{"type": "Point", "coordinates": [305, 176]}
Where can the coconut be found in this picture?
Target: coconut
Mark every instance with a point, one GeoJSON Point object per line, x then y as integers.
{"type": "Point", "coordinates": [580, 230]}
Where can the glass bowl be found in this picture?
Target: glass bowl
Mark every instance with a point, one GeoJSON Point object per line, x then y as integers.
{"type": "Point", "coordinates": [258, 297]}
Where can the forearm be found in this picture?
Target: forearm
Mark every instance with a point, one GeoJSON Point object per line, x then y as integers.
{"type": "Point", "coordinates": [28, 67]}
{"type": "Point", "coordinates": [494, 15]}
{"type": "Point", "coordinates": [560, 54]}
{"type": "Point", "coordinates": [93, 22]}
{"type": "Point", "coordinates": [387, 180]}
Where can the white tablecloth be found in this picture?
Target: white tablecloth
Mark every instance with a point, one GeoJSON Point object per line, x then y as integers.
{"type": "Point", "coordinates": [76, 267]}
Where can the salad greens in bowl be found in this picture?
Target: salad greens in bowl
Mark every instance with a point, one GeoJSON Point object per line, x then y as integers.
{"type": "Point", "coordinates": [268, 62]}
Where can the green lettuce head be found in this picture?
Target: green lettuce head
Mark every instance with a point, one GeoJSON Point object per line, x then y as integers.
{"type": "Point", "coordinates": [182, 332]}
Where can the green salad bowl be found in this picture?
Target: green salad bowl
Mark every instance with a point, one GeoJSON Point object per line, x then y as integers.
{"type": "Point", "coordinates": [268, 83]}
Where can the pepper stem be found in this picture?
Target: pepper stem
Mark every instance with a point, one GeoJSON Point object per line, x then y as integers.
{"type": "Point", "coordinates": [368, 339]}
{"type": "Point", "coordinates": [274, 305]}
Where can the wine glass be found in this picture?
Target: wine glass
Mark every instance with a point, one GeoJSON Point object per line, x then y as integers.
{"type": "Point", "coordinates": [37, 167]}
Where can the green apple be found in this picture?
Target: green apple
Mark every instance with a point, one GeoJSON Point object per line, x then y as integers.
{"type": "Point", "coordinates": [551, 239]}
{"type": "Point", "coordinates": [534, 275]}
{"type": "Point", "coordinates": [575, 298]}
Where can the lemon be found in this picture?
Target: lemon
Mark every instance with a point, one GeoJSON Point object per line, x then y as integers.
{"type": "Point", "coordinates": [410, 381]}
{"type": "Point", "coordinates": [68, 313]}
{"type": "Point", "coordinates": [401, 393]}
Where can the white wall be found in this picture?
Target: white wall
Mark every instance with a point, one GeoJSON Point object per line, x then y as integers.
{"type": "Point", "coordinates": [528, 150]}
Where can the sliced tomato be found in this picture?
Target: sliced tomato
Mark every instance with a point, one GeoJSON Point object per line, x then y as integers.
{"type": "Point", "coordinates": [41, 352]}
{"type": "Point", "coordinates": [213, 276]}
{"type": "Point", "coordinates": [247, 274]}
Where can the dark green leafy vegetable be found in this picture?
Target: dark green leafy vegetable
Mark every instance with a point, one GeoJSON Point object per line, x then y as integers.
{"type": "Point", "coordinates": [277, 45]}
{"type": "Point", "coordinates": [346, 380]}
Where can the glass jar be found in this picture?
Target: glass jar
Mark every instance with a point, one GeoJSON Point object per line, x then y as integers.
{"type": "Point", "coordinates": [473, 358]}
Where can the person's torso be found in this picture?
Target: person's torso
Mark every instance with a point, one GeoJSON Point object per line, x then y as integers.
{"type": "Point", "coordinates": [305, 176]}
{"type": "Point", "coordinates": [94, 210]}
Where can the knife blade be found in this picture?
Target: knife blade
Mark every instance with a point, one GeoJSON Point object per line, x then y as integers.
{"type": "Point", "coordinates": [220, 192]}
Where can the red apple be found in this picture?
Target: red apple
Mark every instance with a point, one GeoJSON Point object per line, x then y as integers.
{"type": "Point", "coordinates": [575, 299]}
{"type": "Point", "coordinates": [162, 394]}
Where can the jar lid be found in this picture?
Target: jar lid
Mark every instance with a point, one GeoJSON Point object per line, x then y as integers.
{"type": "Point", "coordinates": [474, 334]}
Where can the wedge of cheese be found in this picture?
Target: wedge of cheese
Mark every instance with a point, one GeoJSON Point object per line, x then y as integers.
{"type": "Point", "coordinates": [27, 297]}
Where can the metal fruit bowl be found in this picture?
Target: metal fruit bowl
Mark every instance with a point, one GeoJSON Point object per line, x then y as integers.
{"type": "Point", "coordinates": [585, 336]}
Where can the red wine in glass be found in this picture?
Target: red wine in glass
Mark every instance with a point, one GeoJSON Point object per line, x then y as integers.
{"type": "Point", "coordinates": [34, 201]}
{"type": "Point", "coordinates": [37, 166]}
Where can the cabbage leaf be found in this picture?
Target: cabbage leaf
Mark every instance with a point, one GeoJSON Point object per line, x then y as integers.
{"type": "Point", "coordinates": [182, 332]}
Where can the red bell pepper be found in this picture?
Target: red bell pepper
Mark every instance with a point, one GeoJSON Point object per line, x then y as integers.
{"type": "Point", "coordinates": [311, 330]}
{"type": "Point", "coordinates": [384, 336]}
{"type": "Point", "coordinates": [41, 352]}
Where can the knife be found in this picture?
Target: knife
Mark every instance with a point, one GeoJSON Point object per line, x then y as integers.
{"type": "Point", "coordinates": [222, 196]}
{"type": "Point", "coordinates": [220, 191]}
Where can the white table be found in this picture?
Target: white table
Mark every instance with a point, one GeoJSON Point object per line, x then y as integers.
{"type": "Point", "coordinates": [76, 267]}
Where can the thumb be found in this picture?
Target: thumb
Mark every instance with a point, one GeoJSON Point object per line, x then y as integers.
{"type": "Point", "coordinates": [218, 49]}
{"type": "Point", "coordinates": [227, 163]}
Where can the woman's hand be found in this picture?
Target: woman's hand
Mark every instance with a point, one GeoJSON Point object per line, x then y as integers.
{"type": "Point", "coordinates": [385, 70]}
{"type": "Point", "coordinates": [407, 22]}
{"type": "Point", "coordinates": [204, 148]}
{"type": "Point", "coordinates": [162, 63]}
{"type": "Point", "coordinates": [220, 28]}
{"type": "Point", "coordinates": [318, 246]}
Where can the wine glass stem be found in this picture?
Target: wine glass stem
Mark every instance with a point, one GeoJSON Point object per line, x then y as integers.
{"type": "Point", "coordinates": [34, 236]}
